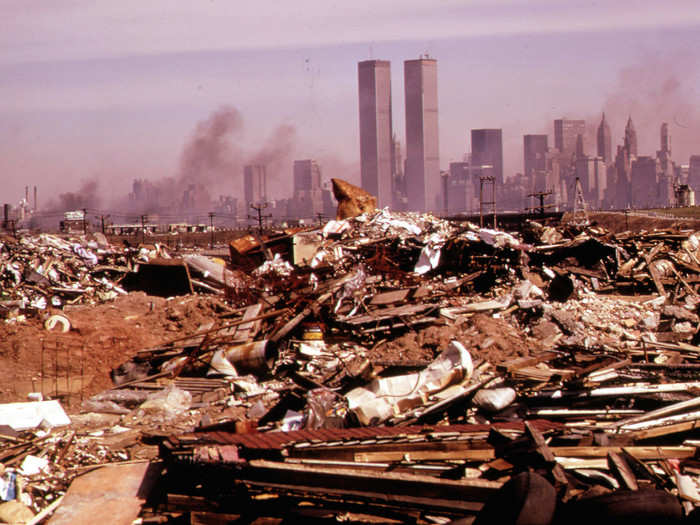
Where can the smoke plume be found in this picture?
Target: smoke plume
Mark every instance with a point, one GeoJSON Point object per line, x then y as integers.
{"type": "Point", "coordinates": [87, 196]}
{"type": "Point", "coordinates": [652, 92]}
{"type": "Point", "coordinates": [211, 164]}
{"type": "Point", "coordinates": [211, 151]}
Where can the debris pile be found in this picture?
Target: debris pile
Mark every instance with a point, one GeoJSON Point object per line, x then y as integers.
{"type": "Point", "coordinates": [48, 271]}
{"type": "Point", "coordinates": [401, 368]}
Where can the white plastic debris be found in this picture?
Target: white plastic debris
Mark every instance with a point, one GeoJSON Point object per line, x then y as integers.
{"type": "Point", "coordinates": [386, 397]}
{"type": "Point", "coordinates": [277, 265]}
{"type": "Point", "coordinates": [494, 399]}
{"type": "Point", "coordinates": [24, 416]}
{"type": "Point", "coordinates": [32, 465]}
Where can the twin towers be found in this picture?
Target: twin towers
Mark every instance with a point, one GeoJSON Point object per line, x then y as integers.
{"type": "Point", "coordinates": [419, 188]}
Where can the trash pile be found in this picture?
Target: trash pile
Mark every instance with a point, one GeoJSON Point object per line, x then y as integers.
{"type": "Point", "coordinates": [395, 367]}
{"type": "Point", "coordinates": [48, 271]}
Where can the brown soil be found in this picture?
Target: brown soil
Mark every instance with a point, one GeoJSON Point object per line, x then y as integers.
{"type": "Point", "coordinates": [617, 222]}
{"type": "Point", "coordinates": [491, 339]}
{"type": "Point", "coordinates": [101, 338]}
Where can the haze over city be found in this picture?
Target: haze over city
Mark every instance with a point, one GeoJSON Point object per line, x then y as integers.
{"type": "Point", "coordinates": [95, 96]}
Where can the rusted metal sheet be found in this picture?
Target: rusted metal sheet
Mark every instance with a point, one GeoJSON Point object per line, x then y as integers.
{"type": "Point", "coordinates": [279, 440]}
{"type": "Point", "coordinates": [111, 494]}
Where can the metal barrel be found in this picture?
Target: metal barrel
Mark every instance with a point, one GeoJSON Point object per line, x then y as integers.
{"type": "Point", "coordinates": [256, 356]}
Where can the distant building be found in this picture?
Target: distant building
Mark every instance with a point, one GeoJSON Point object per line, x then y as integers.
{"type": "Point", "coordinates": [566, 137]}
{"type": "Point", "coordinates": [623, 189]}
{"type": "Point", "coordinates": [667, 180]}
{"type": "Point", "coordinates": [644, 182]}
{"type": "Point", "coordinates": [195, 198]}
{"type": "Point", "coordinates": [398, 201]}
{"type": "Point", "coordinates": [626, 154]}
{"type": "Point", "coordinates": [254, 184]}
{"type": "Point", "coordinates": [376, 155]}
{"type": "Point", "coordinates": [487, 149]}
{"type": "Point", "coordinates": [422, 172]}
{"type": "Point", "coordinates": [535, 160]}
{"type": "Point", "coordinates": [460, 188]}
{"type": "Point", "coordinates": [307, 175]}
{"type": "Point", "coordinates": [630, 138]}
{"type": "Point", "coordinates": [694, 173]}
{"type": "Point", "coordinates": [592, 173]}
{"type": "Point", "coordinates": [604, 141]}
{"type": "Point", "coordinates": [685, 196]}
{"type": "Point", "coordinates": [307, 202]}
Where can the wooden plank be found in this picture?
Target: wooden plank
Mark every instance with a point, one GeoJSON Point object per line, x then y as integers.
{"type": "Point", "coordinates": [546, 453]}
{"type": "Point", "coordinates": [526, 362]}
{"type": "Point", "coordinates": [622, 471]}
{"type": "Point", "coordinates": [384, 314]}
{"type": "Point", "coordinates": [655, 277]}
{"type": "Point", "coordinates": [640, 452]}
{"type": "Point", "coordinates": [247, 331]}
{"type": "Point", "coordinates": [351, 452]}
{"type": "Point", "coordinates": [665, 430]}
{"type": "Point", "coordinates": [45, 513]}
{"type": "Point", "coordinates": [391, 484]}
{"type": "Point", "coordinates": [425, 455]}
{"type": "Point", "coordinates": [661, 412]}
{"type": "Point", "coordinates": [393, 296]}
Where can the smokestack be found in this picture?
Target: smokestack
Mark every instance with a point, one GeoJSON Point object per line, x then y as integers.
{"type": "Point", "coordinates": [26, 194]}
{"type": "Point", "coordinates": [6, 211]}
{"type": "Point", "coordinates": [36, 207]}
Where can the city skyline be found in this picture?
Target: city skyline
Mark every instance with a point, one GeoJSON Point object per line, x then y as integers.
{"type": "Point", "coordinates": [125, 100]}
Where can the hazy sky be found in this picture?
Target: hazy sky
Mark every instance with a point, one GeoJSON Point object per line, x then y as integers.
{"type": "Point", "coordinates": [113, 91]}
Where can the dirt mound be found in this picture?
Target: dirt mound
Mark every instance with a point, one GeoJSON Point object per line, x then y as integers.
{"type": "Point", "coordinates": [488, 338]}
{"type": "Point", "coordinates": [77, 364]}
{"type": "Point", "coordinates": [637, 221]}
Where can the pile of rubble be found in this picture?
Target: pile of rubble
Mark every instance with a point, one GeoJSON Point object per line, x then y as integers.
{"type": "Point", "coordinates": [48, 271]}
{"type": "Point", "coordinates": [396, 367]}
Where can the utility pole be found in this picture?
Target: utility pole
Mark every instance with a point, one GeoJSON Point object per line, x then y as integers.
{"type": "Point", "coordinates": [211, 228]}
{"type": "Point", "coordinates": [540, 195]}
{"type": "Point", "coordinates": [319, 216]}
{"type": "Point", "coordinates": [259, 208]}
{"type": "Point", "coordinates": [102, 221]}
{"type": "Point", "coordinates": [84, 220]}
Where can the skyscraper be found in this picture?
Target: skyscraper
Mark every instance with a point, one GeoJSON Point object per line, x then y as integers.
{"type": "Point", "coordinates": [535, 160]}
{"type": "Point", "coordinates": [307, 175]}
{"type": "Point", "coordinates": [308, 194]}
{"type": "Point", "coordinates": [487, 150]}
{"type": "Point", "coordinates": [630, 138]}
{"type": "Point", "coordinates": [422, 172]}
{"type": "Point", "coordinates": [566, 134]}
{"type": "Point", "coordinates": [535, 153]}
{"type": "Point", "coordinates": [694, 172]}
{"type": "Point", "coordinates": [665, 138]}
{"type": "Point", "coordinates": [604, 141]}
{"type": "Point", "coordinates": [254, 184]}
{"type": "Point", "coordinates": [374, 81]}
{"type": "Point", "coordinates": [460, 188]}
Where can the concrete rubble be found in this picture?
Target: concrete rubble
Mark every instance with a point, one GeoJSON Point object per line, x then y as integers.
{"type": "Point", "coordinates": [386, 368]}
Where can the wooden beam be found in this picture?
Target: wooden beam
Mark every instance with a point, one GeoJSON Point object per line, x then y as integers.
{"type": "Point", "coordinates": [665, 430]}
{"type": "Point", "coordinates": [622, 471]}
{"type": "Point", "coordinates": [398, 488]}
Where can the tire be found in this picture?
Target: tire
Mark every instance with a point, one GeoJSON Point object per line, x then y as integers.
{"type": "Point", "coordinates": [527, 499]}
{"type": "Point", "coordinates": [625, 507]}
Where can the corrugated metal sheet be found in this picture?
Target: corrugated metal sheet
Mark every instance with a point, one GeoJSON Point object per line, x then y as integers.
{"type": "Point", "coordinates": [280, 440]}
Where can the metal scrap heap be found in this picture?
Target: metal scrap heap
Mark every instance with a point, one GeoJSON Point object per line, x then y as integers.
{"type": "Point", "coordinates": [396, 367]}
